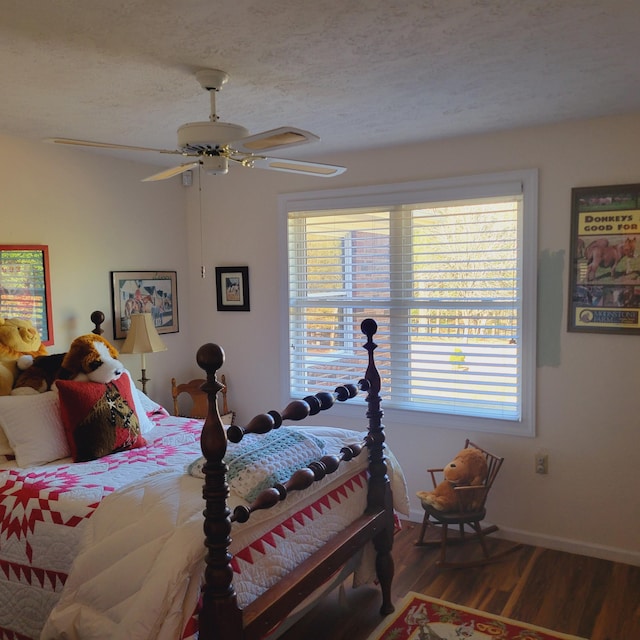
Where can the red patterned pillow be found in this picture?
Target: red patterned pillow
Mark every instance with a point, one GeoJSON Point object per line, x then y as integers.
{"type": "Point", "coordinates": [99, 419]}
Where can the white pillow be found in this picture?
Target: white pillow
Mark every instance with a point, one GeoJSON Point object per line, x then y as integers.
{"type": "Point", "coordinates": [145, 422]}
{"type": "Point", "coordinates": [34, 428]}
{"type": "Point", "coordinates": [149, 405]}
{"type": "Point", "coordinates": [5, 447]}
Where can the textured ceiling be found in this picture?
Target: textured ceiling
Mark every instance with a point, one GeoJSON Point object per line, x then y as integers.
{"type": "Point", "coordinates": [358, 73]}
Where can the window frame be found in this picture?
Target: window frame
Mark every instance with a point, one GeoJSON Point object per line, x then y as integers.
{"type": "Point", "coordinates": [438, 190]}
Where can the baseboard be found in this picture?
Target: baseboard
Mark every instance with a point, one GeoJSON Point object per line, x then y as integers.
{"type": "Point", "coordinates": [580, 547]}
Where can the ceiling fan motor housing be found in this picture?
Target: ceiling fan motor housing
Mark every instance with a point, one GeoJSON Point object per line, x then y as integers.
{"type": "Point", "coordinates": [199, 137]}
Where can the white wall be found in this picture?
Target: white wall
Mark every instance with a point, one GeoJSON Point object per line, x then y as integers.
{"type": "Point", "coordinates": [96, 217]}
{"type": "Point", "coordinates": [587, 398]}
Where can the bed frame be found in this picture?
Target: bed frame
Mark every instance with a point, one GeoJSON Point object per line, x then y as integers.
{"type": "Point", "coordinates": [220, 617]}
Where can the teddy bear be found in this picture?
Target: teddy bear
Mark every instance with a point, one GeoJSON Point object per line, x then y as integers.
{"type": "Point", "coordinates": [468, 468]}
{"type": "Point", "coordinates": [18, 338]}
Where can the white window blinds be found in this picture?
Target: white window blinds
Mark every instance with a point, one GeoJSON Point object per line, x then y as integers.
{"type": "Point", "coordinates": [444, 281]}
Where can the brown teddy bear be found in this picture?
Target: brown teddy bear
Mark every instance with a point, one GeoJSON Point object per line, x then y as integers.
{"type": "Point", "coordinates": [468, 468]}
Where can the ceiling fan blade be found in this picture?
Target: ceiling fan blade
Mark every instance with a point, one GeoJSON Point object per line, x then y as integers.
{"type": "Point", "coordinates": [169, 173]}
{"type": "Point", "coordinates": [296, 166]}
{"type": "Point", "coordinates": [274, 139]}
{"type": "Point", "coordinates": [106, 145]}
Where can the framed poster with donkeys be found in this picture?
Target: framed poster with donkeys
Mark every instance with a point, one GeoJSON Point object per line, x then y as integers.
{"type": "Point", "coordinates": [604, 295]}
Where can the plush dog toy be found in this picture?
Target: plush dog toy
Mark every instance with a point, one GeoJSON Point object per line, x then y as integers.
{"type": "Point", "coordinates": [468, 468]}
{"type": "Point", "coordinates": [91, 358]}
{"type": "Point", "coordinates": [18, 338]}
{"type": "Point", "coordinates": [97, 405]}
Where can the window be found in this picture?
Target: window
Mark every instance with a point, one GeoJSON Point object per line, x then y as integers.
{"type": "Point", "coordinates": [448, 271]}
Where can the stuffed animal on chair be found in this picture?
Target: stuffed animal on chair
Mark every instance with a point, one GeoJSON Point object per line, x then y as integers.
{"type": "Point", "coordinates": [18, 338]}
{"type": "Point", "coordinates": [468, 468]}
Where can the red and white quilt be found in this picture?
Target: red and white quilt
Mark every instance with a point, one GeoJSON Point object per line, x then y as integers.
{"type": "Point", "coordinates": [43, 511]}
{"type": "Point", "coordinates": [135, 581]}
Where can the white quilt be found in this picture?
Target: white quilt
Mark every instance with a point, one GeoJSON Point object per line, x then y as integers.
{"type": "Point", "coordinates": [44, 511]}
{"type": "Point", "coordinates": [133, 581]}
{"type": "Point", "coordinates": [126, 579]}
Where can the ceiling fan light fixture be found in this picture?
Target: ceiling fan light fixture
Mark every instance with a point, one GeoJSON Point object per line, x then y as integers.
{"type": "Point", "coordinates": [214, 143]}
{"type": "Point", "coordinates": [215, 165]}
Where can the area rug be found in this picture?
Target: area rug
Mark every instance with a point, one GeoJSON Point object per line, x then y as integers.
{"type": "Point", "coordinates": [419, 617]}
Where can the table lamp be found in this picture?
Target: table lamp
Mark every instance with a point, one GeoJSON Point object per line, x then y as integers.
{"type": "Point", "coordinates": [142, 338]}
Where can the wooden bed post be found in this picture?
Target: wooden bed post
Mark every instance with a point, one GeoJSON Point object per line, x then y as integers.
{"type": "Point", "coordinates": [379, 491]}
{"type": "Point", "coordinates": [220, 616]}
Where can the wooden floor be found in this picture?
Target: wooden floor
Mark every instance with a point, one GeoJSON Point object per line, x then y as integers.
{"type": "Point", "coordinates": [586, 597]}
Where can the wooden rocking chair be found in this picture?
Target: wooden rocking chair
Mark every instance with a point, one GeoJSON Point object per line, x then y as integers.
{"type": "Point", "coordinates": [470, 513]}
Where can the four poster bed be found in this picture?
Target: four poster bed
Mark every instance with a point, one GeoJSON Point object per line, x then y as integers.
{"type": "Point", "coordinates": [112, 547]}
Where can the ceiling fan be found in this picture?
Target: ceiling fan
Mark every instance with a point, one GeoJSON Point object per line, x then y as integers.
{"type": "Point", "coordinates": [214, 144]}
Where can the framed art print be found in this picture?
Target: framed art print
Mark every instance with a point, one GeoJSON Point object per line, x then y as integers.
{"type": "Point", "coordinates": [154, 292]}
{"type": "Point", "coordinates": [232, 288]}
{"type": "Point", "coordinates": [604, 294]}
{"type": "Point", "coordinates": [25, 288]}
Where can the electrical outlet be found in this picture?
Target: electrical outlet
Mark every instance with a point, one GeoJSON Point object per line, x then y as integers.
{"type": "Point", "coordinates": [542, 463]}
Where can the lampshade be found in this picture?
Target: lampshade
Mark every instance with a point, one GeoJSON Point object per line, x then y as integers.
{"type": "Point", "coordinates": [143, 336]}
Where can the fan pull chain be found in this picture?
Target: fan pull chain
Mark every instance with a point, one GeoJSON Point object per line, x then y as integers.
{"type": "Point", "coordinates": [203, 269]}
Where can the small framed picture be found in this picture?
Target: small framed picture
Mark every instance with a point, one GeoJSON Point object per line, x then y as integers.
{"type": "Point", "coordinates": [154, 292]}
{"type": "Point", "coordinates": [232, 288]}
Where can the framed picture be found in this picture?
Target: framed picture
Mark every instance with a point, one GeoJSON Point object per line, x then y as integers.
{"type": "Point", "coordinates": [25, 288]}
{"type": "Point", "coordinates": [604, 295]}
{"type": "Point", "coordinates": [154, 292]}
{"type": "Point", "coordinates": [232, 288]}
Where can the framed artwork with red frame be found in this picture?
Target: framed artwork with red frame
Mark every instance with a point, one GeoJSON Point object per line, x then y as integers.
{"type": "Point", "coordinates": [25, 287]}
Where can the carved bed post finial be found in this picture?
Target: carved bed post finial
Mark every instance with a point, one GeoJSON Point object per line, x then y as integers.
{"type": "Point", "coordinates": [370, 327]}
{"type": "Point", "coordinates": [220, 615]}
{"type": "Point", "coordinates": [97, 317]}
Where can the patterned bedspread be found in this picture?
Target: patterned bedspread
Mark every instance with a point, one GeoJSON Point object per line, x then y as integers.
{"type": "Point", "coordinates": [49, 519]}
{"type": "Point", "coordinates": [43, 511]}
